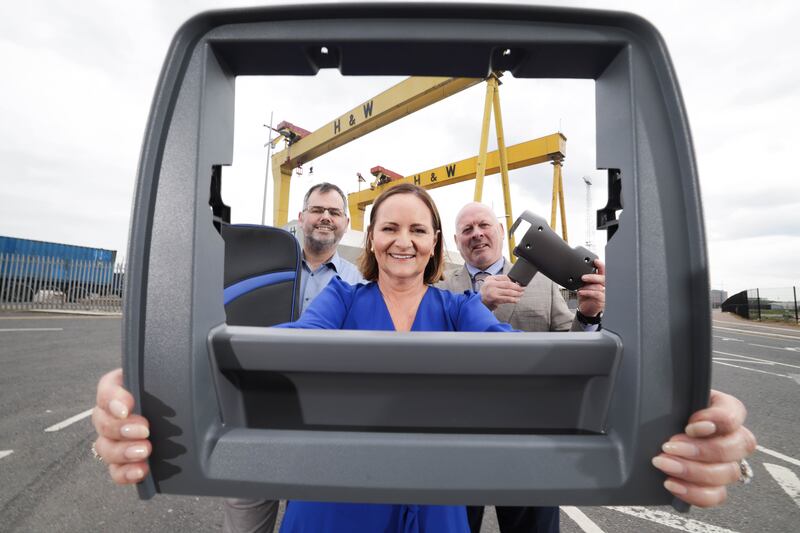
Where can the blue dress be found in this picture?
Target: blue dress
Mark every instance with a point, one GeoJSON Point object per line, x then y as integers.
{"type": "Point", "coordinates": [361, 307]}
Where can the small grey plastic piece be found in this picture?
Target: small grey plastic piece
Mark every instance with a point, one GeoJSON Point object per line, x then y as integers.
{"type": "Point", "coordinates": [607, 216]}
{"type": "Point", "coordinates": [600, 404]}
{"type": "Point", "coordinates": [542, 250]}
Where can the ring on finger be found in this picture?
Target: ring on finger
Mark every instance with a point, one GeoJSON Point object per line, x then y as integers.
{"type": "Point", "coordinates": [94, 452]}
{"type": "Point", "coordinates": [745, 472]}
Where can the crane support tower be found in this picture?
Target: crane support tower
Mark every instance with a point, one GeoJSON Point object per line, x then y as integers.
{"type": "Point", "coordinates": [493, 103]}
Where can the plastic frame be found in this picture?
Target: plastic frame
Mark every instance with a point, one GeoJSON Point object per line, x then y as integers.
{"type": "Point", "coordinates": [641, 376]}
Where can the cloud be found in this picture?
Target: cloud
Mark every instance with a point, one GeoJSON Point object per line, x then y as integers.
{"type": "Point", "coordinates": [749, 263]}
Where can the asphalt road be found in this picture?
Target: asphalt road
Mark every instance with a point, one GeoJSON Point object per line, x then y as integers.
{"type": "Point", "coordinates": [49, 365]}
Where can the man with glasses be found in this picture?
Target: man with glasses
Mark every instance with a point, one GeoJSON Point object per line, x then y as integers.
{"type": "Point", "coordinates": [323, 222]}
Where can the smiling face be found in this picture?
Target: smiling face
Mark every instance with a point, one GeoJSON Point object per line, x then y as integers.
{"type": "Point", "coordinates": [479, 236]}
{"type": "Point", "coordinates": [403, 237]}
{"type": "Point", "coordinates": [323, 231]}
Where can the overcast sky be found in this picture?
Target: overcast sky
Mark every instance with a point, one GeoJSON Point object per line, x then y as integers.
{"type": "Point", "coordinates": [78, 78]}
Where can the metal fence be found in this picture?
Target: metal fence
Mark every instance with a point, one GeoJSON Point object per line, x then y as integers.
{"type": "Point", "coordinates": [33, 282]}
{"type": "Point", "coordinates": [776, 304]}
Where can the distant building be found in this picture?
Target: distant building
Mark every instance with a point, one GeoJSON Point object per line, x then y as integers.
{"type": "Point", "coordinates": [717, 297]}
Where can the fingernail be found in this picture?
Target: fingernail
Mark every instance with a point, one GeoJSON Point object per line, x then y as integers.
{"type": "Point", "coordinates": [134, 431]}
{"type": "Point", "coordinates": [136, 452]}
{"type": "Point", "coordinates": [118, 409]}
{"type": "Point", "coordinates": [681, 449]}
{"type": "Point", "coordinates": [668, 466]}
{"type": "Point", "coordinates": [701, 429]}
{"type": "Point", "coordinates": [675, 488]}
{"type": "Point", "coordinates": [134, 474]}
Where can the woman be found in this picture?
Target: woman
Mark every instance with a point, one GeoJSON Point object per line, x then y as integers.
{"type": "Point", "coordinates": [403, 256]}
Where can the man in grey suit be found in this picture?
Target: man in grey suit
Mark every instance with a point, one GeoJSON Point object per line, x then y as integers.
{"type": "Point", "coordinates": [537, 307]}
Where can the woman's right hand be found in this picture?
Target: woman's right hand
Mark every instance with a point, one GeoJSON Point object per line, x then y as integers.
{"type": "Point", "coordinates": [122, 437]}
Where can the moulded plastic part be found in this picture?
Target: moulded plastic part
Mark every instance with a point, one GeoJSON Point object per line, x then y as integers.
{"type": "Point", "coordinates": [555, 418]}
{"type": "Point", "coordinates": [541, 250]}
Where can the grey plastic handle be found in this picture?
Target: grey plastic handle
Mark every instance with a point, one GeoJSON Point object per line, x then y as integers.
{"type": "Point", "coordinates": [542, 250]}
{"type": "Point", "coordinates": [569, 418]}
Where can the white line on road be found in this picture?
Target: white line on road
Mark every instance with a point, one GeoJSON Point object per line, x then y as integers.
{"type": "Point", "coordinates": [583, 521]}
{"type": "Point", "coordinates": [753, 370]}
{"type": "Point", "coordinates": [728, 338]}
{"type": "Point", "coordinates": [10, 330]}
{"type": "Point", "coordinates": [48, 316]}
{"type": "Point", "coordinates": [69, 421]}
{"type": "Point", "coordinates": [5, 453]}
{"type": "Point", "coordinates": [760, 334]}
{"type": "Point", "coordinates": [730, 359]}
{"type": "Point", "coordinates": [787, 479]}
{"type": "Point", "coordinates": [780, 348]}
{"type": "Point", "coordinates": [671, 520]}
{"type": "Point", "coordinates": [751, 326]}
{"type": "Point", "coordinates": [756, 359]}
{"type": "Point", "coordinates": [779, 455]}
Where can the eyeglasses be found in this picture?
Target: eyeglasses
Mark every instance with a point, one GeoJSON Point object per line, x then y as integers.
{"type": "Point", "coordinates": [319, 210]}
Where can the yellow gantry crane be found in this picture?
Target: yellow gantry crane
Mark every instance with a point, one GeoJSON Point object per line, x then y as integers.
{"type": "Point", "coordinates": [552, 147]}
{"type": "Point", "coordinates": [408, 96]}
{"type": "Point", "coordinates": [398, 101]}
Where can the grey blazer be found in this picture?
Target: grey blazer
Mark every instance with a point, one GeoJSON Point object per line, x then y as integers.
{"type": "Point", "coordinates": [541, 308]}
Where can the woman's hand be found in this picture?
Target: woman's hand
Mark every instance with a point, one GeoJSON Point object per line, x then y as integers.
{"type": "Point", "coordinates": [704, 459]}
{"type": "Point", "coordinates": [122, 437]}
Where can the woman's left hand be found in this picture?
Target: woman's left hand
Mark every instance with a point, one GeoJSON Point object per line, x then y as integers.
{"type": "Point", "coordinates": [703, 460]}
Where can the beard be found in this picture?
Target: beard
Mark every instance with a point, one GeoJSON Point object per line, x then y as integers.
{"type": "Point", "coordinates": [320, 243]}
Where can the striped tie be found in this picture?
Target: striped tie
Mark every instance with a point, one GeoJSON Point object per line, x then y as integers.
{"type": "Point", "coordinates": [478, 280]}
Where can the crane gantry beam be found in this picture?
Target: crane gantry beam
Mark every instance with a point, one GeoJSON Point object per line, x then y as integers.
{"type": "Point", "coordinates": [408, 96]}
{"type": "Point", "coordinates": [549, 148]}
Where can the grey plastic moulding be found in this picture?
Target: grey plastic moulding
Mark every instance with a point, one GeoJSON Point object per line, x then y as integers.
{"type": "Point", "coordinates": [445, 418]}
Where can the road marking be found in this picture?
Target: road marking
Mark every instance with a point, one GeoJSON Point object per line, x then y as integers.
{"type": "Point", "coordinates": [779, 348]}
{"type": "Point", "coordinates": [747, 357]}
{"type": "Point", "coordinates": [583, 521]}
{"type": "Point", "coordinates": [671, 520]}
{"type": "Point", "coordinates": [728, 338]}
{"type": "Point", "coordinates": [751, 326]}
{"type": "Point", "coordinates": [753, 369]}
{"type": "Point", "coordinates": [770, 363]}
{"type": "Point", "coordinates": [10, 330]}
{"type": "Point", "coordinates": [760, 334]}
{"type": "Point", "coordinates": [64, 316]}
{"type": "Point", "coordinates": [787, 479]}
{"type": "Point", "coordinates": [48, 316]}
{"type": "Point", "coordinates": [69, 421]}
{"type": "Point", "coordinates": [779, 455]}
{"type": "Point", "coordinates": [5, 453]}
